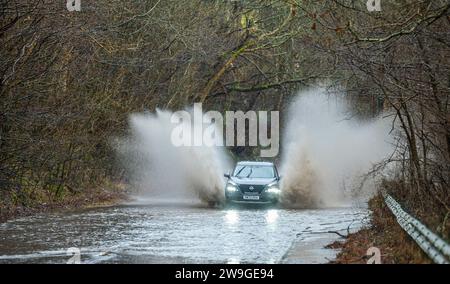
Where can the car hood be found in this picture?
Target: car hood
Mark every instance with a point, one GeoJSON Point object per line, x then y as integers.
{"type": "Point", "coordinates": [253, 181]}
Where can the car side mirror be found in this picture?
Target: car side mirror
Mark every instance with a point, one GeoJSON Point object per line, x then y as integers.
{"type": "Point", "coordinates": [227, 175]}
{"type": "Point", "coordinates": [279, 177]}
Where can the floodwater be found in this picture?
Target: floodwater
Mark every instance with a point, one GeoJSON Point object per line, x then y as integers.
{"type": "Point", "coordinates": [180, 233]}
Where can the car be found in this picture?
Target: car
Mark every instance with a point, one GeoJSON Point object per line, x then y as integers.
{"type": "Point", "coordinates": [253, 182]}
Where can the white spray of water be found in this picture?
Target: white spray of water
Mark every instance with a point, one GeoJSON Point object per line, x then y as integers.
{"type": "Point", "coordinates": [326, 153]}
{"type": "Point", "coordinates": [162, 171]}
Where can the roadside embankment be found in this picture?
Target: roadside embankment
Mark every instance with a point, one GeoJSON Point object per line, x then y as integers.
{"type": "Point", "coordinates": [108, 195]}
{"type": "Point", "coordinates": [383, 233]}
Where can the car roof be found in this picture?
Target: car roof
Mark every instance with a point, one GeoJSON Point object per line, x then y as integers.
{"type": "Point", "coordinates": [255, 163]}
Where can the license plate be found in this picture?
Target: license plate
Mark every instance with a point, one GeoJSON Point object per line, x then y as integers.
{"type": "Point", "coordinates": [249, 197]}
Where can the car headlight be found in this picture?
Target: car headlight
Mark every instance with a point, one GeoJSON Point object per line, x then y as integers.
{"type": "Point", "coordinates": [273, 188]}
{"type": "Point", "coordinates": [231, 187]}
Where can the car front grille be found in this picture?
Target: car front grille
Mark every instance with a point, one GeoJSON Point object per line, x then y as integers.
{"type": "Point", "coordinates": [251, 189]}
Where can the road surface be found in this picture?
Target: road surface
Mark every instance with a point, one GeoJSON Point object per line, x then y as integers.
{"type": "Point", "coordinates": [177, 233]}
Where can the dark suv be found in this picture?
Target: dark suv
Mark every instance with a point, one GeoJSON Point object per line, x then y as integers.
{"type": "Point", "coordinates": [256, 182]}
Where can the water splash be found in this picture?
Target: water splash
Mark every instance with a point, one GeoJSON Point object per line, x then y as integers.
{"type": "Point", "coordinates": [326, 153]}
{"type": "Point", "coordinates": [160, 170]}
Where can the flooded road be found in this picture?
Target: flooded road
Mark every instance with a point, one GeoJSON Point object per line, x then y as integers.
{"type": "Point", "coordinates": [177, 234]}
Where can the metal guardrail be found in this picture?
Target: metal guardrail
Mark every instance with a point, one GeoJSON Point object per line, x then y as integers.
{"type": "Point", "coordinates": [435, 247]}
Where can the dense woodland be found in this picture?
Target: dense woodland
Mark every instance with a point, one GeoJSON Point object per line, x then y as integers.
{"type": "Point", "coordinates": [69, 80]}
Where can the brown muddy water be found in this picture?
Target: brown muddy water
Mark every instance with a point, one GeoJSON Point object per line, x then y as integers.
{"type": "Point", "coordinates": [174, 233]}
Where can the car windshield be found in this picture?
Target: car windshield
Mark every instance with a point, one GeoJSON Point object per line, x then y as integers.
{"type": "Point", "coordinates": [254, 171]}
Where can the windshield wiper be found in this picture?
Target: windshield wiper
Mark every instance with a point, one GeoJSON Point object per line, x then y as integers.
{"type": "Point", "coordinates": [251, 171]}
{"type": "Point", "coordinates": [237, 174]}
